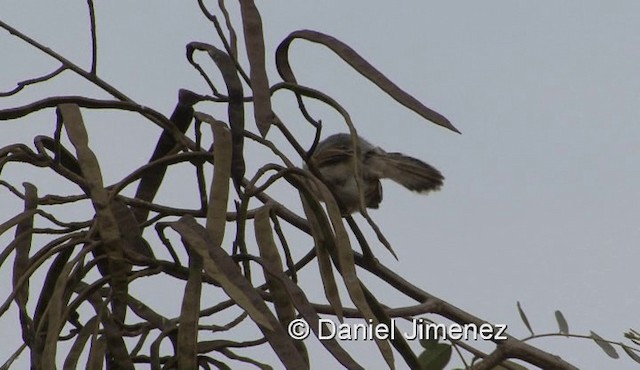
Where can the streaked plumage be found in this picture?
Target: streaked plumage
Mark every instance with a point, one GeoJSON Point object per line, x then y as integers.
{"type": "Point", "coordinates": [333, 156]}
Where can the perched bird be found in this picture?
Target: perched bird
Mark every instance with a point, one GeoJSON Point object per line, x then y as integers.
{"type": "Point", "coordinates": [333, 158]}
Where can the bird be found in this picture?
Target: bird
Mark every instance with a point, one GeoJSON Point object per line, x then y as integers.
{"type": "Point", "coordinates": [333, 157]}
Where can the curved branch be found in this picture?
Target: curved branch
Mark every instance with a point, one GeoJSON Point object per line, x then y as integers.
{"type": "Point", "coordinates": [84, 102]}
{"type": "Point", "coordinates": [94, 40]}
{"type": "Point", "coordinates": [510, 348]}
{"type": "Point", "coordinates": [31, 81]}
{"type": "Point", "coordinates": [67, 63]}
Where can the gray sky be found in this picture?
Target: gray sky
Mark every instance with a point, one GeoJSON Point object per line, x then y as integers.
{"type": "Point", "coordinates": [540, 203]}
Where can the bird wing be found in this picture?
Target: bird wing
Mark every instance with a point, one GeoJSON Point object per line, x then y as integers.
{"type": "Point", "coordinates": [330, 156]}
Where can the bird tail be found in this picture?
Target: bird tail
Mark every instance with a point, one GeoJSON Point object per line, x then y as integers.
{"type": "Point", "coordinates": [409, 172]}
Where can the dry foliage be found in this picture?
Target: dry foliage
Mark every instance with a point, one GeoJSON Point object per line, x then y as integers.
{"type": "Point", "coordinates": [84, 305]}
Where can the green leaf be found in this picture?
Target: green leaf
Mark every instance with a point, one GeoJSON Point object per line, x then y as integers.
{"type": "Point", "coordinates": [634, 356]}
{"type": "Point", "coordinates": [634, 336]}
{"type": "Point", "coordinates": [435, 358]}
{"type": "Point", "coordinates": [524, 318]}
{"type": "Point", "coordinates": [429, 343]}
{"type": "Point", "coordinates": [562, 323]}
{"type": "Point", "coordinates": [606, 346]}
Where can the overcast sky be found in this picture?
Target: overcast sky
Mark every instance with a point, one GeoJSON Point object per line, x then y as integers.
{"type": "Point", "coordinates": [540, 203]}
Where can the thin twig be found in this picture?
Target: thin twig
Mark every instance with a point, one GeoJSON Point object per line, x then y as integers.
{"type": "Point", "coordinates": [94, 39]}
{"type": "Point", "coordinates": [22, 84]}
{"type": "Point", "coordinates": [67, 63]}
